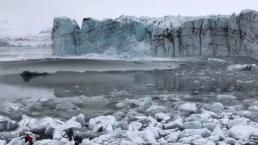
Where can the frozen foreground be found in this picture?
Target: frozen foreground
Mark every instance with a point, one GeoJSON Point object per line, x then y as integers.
{"type": "Point", "coordinates": [158, 119]}
{"type": "Point", "coordinates": [201, 101]}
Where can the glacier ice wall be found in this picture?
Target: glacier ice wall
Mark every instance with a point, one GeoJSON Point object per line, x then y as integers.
{"type": "Point", "coordinates": [64, 36]}
{"type": "Point", "coordinates": [200, 36]}
{"type": "Point", "coordinates": [97, 36]}
{"type": "Point", "coordinates": [214, 36]}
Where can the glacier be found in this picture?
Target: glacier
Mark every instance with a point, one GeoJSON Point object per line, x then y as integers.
{"type": "Point", "coordinates": [13, 34]}
{"type": "Point", "coordinates": [170, 36]}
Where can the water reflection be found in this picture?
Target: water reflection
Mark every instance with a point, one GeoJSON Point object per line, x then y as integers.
{"type": "Point", "coordinates": [27, 76]}
{"type": "Point", "coordinates": [66, 84]}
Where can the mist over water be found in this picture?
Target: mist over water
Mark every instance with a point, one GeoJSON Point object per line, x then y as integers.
{"type": "Point", "coordinates": [72, 78]}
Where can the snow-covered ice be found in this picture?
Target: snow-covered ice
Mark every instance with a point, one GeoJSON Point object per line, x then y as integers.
{"type": "Point", "coordinates": [138, 126]}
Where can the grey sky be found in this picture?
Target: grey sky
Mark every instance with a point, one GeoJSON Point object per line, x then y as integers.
{"type": "Point", "coordinates": [38, 14]}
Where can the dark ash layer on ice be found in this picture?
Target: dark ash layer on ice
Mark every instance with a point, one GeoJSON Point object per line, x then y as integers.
{"type": "Point", "coordinates": [159, 119]}
{"type": "Point", "coordinates": [234, 35]}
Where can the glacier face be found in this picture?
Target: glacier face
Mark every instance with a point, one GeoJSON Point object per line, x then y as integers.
{"type": "Point", "coordinates": [97, 36]}
{"type": "Point", "coordinates": [214, 36]}
{"type": "Point", "coordinates": [64, 36]}
{"type": "Point", "coordinates": [164, 37]}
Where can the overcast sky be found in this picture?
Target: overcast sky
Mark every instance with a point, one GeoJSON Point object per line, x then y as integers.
{"type": "Point", "coordinates": [38, 14]}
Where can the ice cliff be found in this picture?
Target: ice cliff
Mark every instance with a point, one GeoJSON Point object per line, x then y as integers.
{"type": "Point", "coordinates": [164, 37]}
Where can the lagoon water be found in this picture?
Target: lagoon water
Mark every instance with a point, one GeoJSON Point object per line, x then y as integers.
{"type": "Point", "coordinates": [97, 79]}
